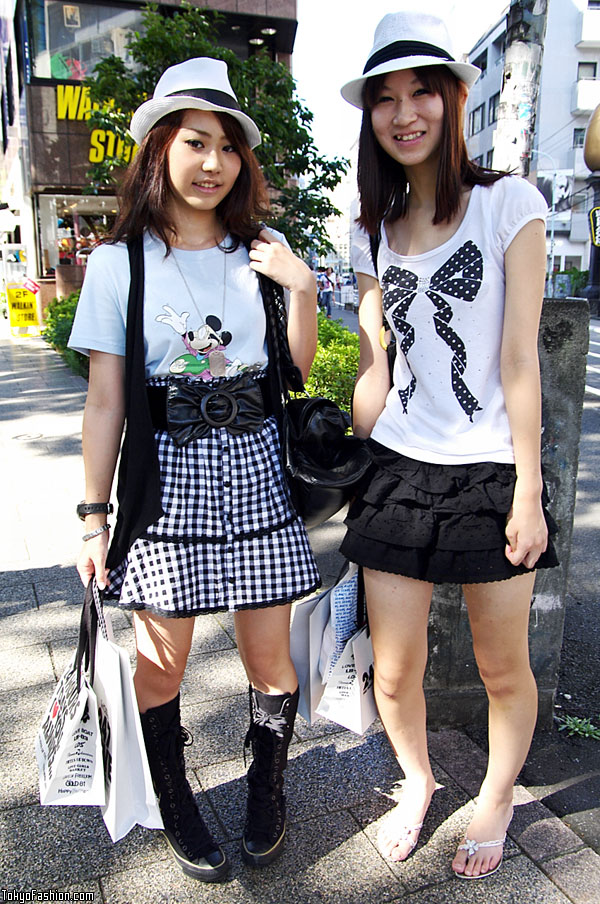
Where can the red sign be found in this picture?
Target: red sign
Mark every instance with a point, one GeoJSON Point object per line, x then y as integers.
{"type": "Point", "coordinates": [31, 286]}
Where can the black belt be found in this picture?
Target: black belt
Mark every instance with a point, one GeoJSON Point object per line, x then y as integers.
{"type": "Point", "coordinates": [191, 410]}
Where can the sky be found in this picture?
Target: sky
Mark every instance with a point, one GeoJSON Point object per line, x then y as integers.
{"type": "Point", "coordinates": [333, 41]}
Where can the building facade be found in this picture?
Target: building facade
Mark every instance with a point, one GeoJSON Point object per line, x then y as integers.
{"type": "Point", "coordinates": [568, 94]}
{"type": "Point", "coordinates": [48, 48]}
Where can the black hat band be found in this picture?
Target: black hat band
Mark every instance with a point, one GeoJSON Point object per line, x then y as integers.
{"type": "Point", "coordinates": [400, 49]}
{"type": "Point", "coordinates": [210, 95]}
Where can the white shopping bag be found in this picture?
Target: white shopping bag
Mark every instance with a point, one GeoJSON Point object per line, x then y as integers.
{"type": "Point", "coordinates": [130, 797]}
{"type": "Point", "coordinates": [309, 618]}
{"type": "Point", "coordinates": [342, 622]}
{"type": "Point", "coordinates": [348, 695]}
{"type": "Point", "coordinates": [68, 745]}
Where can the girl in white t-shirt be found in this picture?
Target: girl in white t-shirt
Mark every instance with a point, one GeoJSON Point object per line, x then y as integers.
{"type": "Point", "coordinates": [457, 267]}
{"type": "Point", "coordinates": [172, 317]}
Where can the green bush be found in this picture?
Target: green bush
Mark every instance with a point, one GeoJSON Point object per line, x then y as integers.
{"type": "Point", "coordinates": [334, 369]}
{"type": "Point", "coordinates": [59, 320]}
{"type": "Point", "coordinates": [333, 373]}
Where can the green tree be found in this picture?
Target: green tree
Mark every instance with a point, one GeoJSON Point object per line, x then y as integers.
{"type": "Point", "coordinates": [297, 174]}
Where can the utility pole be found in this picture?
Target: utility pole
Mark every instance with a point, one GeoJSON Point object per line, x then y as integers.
{"type": "Point", "coordinates": [525, 30]}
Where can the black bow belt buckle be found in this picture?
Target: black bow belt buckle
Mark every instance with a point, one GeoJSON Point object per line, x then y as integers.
{"type": "Point", "coordinates": [194, 409]}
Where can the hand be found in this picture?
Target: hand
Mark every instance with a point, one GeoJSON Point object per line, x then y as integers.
{"type": "Point", "coordinates": [270, 256]}
{"type": "Point", "coordinates": [92, 561]}
{"type": "Point", "coordinates": [176, 321]}
{"type": "Point", "coordinates": [526, 532]}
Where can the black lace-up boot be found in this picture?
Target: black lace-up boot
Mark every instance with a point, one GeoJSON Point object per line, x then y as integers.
{"type": "Point", "coordinates": [271, 726]}
{"type": "Point", "coordinates": [191, 843]}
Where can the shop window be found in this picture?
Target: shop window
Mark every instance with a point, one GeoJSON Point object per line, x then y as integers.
{"type": "Point", "coordinates": [69, 39]}
{"type": "Point", "coordinates": [573, 262]}
{"type": "Point", "coordinates": [70, 227]}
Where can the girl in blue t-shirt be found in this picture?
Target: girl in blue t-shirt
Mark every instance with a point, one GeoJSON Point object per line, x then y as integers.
{"type": "Point", "coordinates": [457, 266]}
{"type": "Point", "coordinates": [205, 521]}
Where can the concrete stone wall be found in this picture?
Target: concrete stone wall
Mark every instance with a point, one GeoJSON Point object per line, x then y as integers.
{"type": "Point", "coordinates": [454, 691]}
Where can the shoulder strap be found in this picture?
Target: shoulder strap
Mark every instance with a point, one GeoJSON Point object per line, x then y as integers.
{"type": "Point", "coordinates": [375, 241]}
{"type": "Point", "coordinates": [138, 486]}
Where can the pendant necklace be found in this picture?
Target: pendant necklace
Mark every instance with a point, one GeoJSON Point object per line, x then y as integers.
{"type": "Point", "coordinates": [216, 358]}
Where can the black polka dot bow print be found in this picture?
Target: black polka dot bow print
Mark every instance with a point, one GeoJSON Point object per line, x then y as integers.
{"type": "Point", "coordinates": [460, 277]}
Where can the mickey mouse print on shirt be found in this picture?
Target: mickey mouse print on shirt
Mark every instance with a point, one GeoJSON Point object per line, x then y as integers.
{"type": "Point", "coordinates": [460, 277]}
{"type": "Point", "coordinates": [205, 347]}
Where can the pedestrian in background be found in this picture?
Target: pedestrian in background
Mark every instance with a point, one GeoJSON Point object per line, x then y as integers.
{"type": "Point", "coordinates": [454, 256]}
{"type": "Point", "coordinates": [205, 522]}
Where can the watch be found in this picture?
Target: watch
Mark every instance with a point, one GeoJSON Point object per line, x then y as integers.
{"type": "Point", "coordinates": [94, 508]}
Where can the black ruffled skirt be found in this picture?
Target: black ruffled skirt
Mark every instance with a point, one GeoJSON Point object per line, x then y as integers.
{"type": "Point", "coordinates": [437, 523]}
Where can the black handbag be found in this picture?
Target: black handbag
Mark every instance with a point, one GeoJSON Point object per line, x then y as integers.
{"type": "Point", "coordinates": [322, 463]}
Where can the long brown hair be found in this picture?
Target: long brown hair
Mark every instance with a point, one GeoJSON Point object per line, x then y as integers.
{"type": "Point", "coordinates": [382, 181]}
{"type": "Point", "coordinates": [145, 190]}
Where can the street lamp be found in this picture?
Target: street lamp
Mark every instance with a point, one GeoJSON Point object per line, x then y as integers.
{"type": "Point", "coordinates": [550, 274]}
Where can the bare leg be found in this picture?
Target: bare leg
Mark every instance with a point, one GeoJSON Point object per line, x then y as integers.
{"type": "Point", "coordinates": [398, 612]}
{"type": "Point", "coordinates": [499, 616]}
{"type": "Point", "coordinates": [263, 637]}
{"type": "Point", "coordinates": [163, 645]}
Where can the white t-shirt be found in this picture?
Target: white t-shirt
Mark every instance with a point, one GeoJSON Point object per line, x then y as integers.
{"type": "Point", "coordinates": [446, 308]}
{"type": "Point", "coordinates": [215, 321]}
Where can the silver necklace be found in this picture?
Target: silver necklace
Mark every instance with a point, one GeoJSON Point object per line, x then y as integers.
{"type": "Point", "coordinates": [218, 362]}
{"type": "Point", "coordinates": [189, 291]}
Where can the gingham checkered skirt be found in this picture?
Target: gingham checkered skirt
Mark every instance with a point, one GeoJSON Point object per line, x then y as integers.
{"type": "Point", "coordinates": [229, 538]}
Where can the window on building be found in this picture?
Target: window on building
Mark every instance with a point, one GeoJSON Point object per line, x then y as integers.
{"type": "Point", "coordinates": [481, 62]}
{"type": "Point", "coordinates": [571, 262]}
{"type": "Point", "coordinates": [476, 119]}
{"type": "Point", "coordinates": [586, 70]}
{"type": "Point", "coordinates": [493, 105]}
{"type": "Point", "coordinates": [68, 40]}
{"type": "Point", "coordinates": [478, 160]}
{"type": "Point", "coordinates": [489, 158]}
{"type": "Point", "coordinates": [593, 4]}
{"type": "Point", "coordinates": [578, 138]}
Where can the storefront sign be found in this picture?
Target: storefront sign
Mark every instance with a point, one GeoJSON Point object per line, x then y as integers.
{"type": "Point", "coordinates": [22, 306]}
{"type": "Point", "coordinates": [595, 226]}
{"type": "Point", "coordinates": [73, 102]}
{"type": "Point", "coordinates": [31, 286]}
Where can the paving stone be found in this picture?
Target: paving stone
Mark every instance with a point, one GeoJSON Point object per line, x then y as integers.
{"type": "Point", "coordinates": [537, 830]}
{"type": "Point", "coordinates": [577, 874]}
{"type": "Point", "coordinates": [22, 713]}
{"type": "Point", "coordinates": [461, 758]}
{"type": "Point", "coordinates": [33, 665]}
{"type": "Point", "coordinates": [516, 882]}
{"type": "Point", "coordinates": [211, 676]}
{"type": "Point", "coordinates": [18, 775]}
{"type": "Point", "coordinates": [66, 845]}
{"type": "Point", "coordinates": [15, 600]}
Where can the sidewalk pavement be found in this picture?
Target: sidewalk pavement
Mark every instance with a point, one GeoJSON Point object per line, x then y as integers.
{"type": "Point", "coordinates": [339, 785]}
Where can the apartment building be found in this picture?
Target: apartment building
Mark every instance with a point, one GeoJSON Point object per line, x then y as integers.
{"type": "Point", "coordinates": [569, 93]}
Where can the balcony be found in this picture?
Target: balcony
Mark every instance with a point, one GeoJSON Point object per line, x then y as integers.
{"type": "Point", "coordinates": [586, 95]}
{"type": "Point", "coordinates": [590, 29]}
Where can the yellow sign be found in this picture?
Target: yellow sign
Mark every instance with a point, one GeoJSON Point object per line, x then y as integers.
{"type": "Point", "coordinates": [22, 307]}
{"type": "Point", "coordinates": [73, 102]}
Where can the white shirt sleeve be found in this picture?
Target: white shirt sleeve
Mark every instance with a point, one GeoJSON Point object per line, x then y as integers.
{"type": "Point", "coordinates": [519, 202]}
{"type": "Point", "coordinates": [362, 261]}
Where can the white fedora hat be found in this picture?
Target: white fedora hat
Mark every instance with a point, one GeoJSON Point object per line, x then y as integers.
{"type": "Point", "coordinates": [408, 40]}
{"type": "Point", "coordinates": [198, 84]}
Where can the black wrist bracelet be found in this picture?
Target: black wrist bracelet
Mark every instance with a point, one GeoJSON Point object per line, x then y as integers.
{"type": "Point", "coordinates": [94, 508]}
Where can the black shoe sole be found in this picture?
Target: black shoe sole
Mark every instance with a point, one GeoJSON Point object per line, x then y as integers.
{"type": "Point", "coordinates": [206, 873]}
{"type": "Point", "coordinates": [258, 860]}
